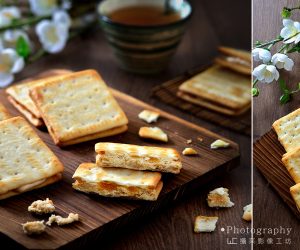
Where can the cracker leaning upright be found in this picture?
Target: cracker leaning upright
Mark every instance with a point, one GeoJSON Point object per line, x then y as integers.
{"type": "Point", "coordinates": [76, 106]}
{"type": "Point", "coordinates": [26, 162]}
{"type": "Point", "coordinates": [288, 130]}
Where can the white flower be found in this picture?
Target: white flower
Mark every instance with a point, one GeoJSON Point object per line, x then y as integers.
{"type": "Point", "coordinates": [43, 7]}
{"type": "Point", "coordinates": [291, 31]}
{"type": "Point", "coordinates": [261, 54]}
{"type": "Point", "coordinates": [10, 63]}
{"type": "Point", "coordinates": [66, 4]}
{"type": "Point", "coordinates": [10, 38]}
{"type": "Point", "coordinates": [62, 17]}
{"type": "Point", "coordinates": [7, 14]}
{"type": "Point", "coordinates": [53, 36]}
{"type": "Point", "coordinates": [266, 73]}
{"type": "Point", "coordinates": [282, 61]}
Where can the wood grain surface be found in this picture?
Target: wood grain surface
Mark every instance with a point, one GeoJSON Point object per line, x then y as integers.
{"type": "Point", "coordinates": [214, 22]}
{"type": "Point", "coordinates": [102, 212]}
{"type": "Point", "coordinates": [267, 155]}
{"type": "Point", "coordinates": [269, 209]}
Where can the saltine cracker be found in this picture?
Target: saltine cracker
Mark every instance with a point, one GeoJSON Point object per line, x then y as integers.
{"type": "Point", "coordinates": [26, 161]}
{"type": "Point", "coordinates": [77, 105]}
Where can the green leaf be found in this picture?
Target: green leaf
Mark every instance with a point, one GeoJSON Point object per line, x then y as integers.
{"type": "Point", "coordinates": [296, 48]}
{"type": "Point", "coordinates": [299, 85]}
{"type": "Point", "coordinates": [286, 13]}
{"type": "Point", "coordinates": [255, 92]}
{"type": "Point", "coordinates": [22, 47]}
{"type": "Point", "coordinates": [285, 98]}
{"type": "Point", "coordinates": [283, 86]}
{"type": "Point", "coordinates": [257, 43]}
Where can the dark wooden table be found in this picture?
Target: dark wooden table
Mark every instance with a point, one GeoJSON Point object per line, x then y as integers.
{"type": "Point", "coordinates": [270, 210]}
{"type": "Point", "coordinates": [214, 22]}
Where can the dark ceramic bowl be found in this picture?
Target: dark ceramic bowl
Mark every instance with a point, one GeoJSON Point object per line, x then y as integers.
{"type": "Point", "coordinates": [143, 49]}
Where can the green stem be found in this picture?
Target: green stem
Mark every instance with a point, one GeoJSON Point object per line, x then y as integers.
{"type": "Point", "coordinates": [295, 8]}
{"type": "Point", "coordinates": [254, 83]}
{"type": "Point", "coordinates": [269, 43]}
{"type": "Point", "coordinates": [40, 53]}
{"type": "Point", "coordinates": [24, 22]}
{"type": "Point", "coordinates": [283, 48]}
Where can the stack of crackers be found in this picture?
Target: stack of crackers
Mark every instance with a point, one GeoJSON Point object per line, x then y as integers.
{"type": "Point", "coordinates": [75, 107]}
{"type": "Point", "coordinates": [225, 87]}
{"type": "Point", "coordinates": [288, 131]}
{"type": "Point", "coordinates": [26, 162]}
{"type": "Point", "coordinates": [123, 170]}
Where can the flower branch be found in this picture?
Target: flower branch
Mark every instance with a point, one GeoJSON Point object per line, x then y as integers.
{"type": "Point", "coordinates": [269, 70]}
{"type": "Point", "coordinates": [53, 23]}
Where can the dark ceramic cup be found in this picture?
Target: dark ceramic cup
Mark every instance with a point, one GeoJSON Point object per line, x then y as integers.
{"type": "Point", "coordinates": [143, 49]}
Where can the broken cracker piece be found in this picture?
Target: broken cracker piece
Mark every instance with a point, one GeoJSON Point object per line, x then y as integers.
{"type": "Point", "coordinates": [247, 212]}
{"type": "Point", "coordinates": [148, 116]}
{"type": "Point", "coordinates": [189, 151]}
{"type": "Point", "coordinates": [219, 144]}
{"type": "Point", "coordinates": [154, 133]}
{"type": "Point", "coordinates": [219, 197]}
{"type": "Point", "coordinates": [42, 207]}
{"type": "Point", "coordinates": [205, 224]}
{"type": "Point", "coordinates": [34, 227]}
{"type": "Point", "coordinates": [62, 221]}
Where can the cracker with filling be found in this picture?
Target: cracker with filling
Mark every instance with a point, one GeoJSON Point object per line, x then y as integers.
{"type": "Point", "coordinates": [18, 96]}
{"type": "Point", "coordinates": [26, 162]}
{"type": "Point", "coordinates": [219, 87]}
{"type": "Point", "coordinates": [117, 182]}
{"type": "Point", "coordinates": [136, 157]}
{"type": "Point", "coordinates": [77, 105]}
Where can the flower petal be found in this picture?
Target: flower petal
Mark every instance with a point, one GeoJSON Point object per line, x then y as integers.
{"type": "Point", "coordinates": [43, 7]}
{"type": "Point", "coordinates": [5, 79]}
{"type": "Point", "coordinates": [18, 65]}
{"type": "Point", "coordinates": [62, 17]}
{"type": "Point", "coordinates": [287, 22]}
{"type": "Point", "coordinates": [289, 64]}
{"type": "Point", "coordinates": [265, 55]}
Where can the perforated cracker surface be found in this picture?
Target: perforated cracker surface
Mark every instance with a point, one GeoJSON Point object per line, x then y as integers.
{"type": "Point", "coordinates": [76, 105]}
{"type": "Point", "coordinates": [24, 158]}
{"type": "Point", "coordinates": [288, 130]}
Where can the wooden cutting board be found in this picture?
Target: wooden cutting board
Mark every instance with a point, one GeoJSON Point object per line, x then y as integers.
{"type": "Point", "coordinates": [267, 154]}
{"type": "Point", "coordinates": [99, 215]}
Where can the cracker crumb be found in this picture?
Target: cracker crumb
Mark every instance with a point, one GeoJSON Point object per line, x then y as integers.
{"type": "Point", "coordinates": [200, 139]}
{"type": "Point", "coordinates": [62, 221]}
{"type": "Point", "coordinates": [189, 151]}
{"type": "Point", "coordinates": [149, 116]}
{"type": "Point", "coordinates": [42, 207]}
{"type": "Point", "coordinates": [219, 144]}
{"type": "Point", "coordinates": [219, 197]}
{"type": "Point", "coordinates": [154, 133]}
{"type": "Point", "coordinates": [189, 141]}
{"type": "Point", "coordinates": [205, 224]}
{"type": "Point", "coordinates": [34, 227]}
{"type": "Point", "coordinates": [247, 212]}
